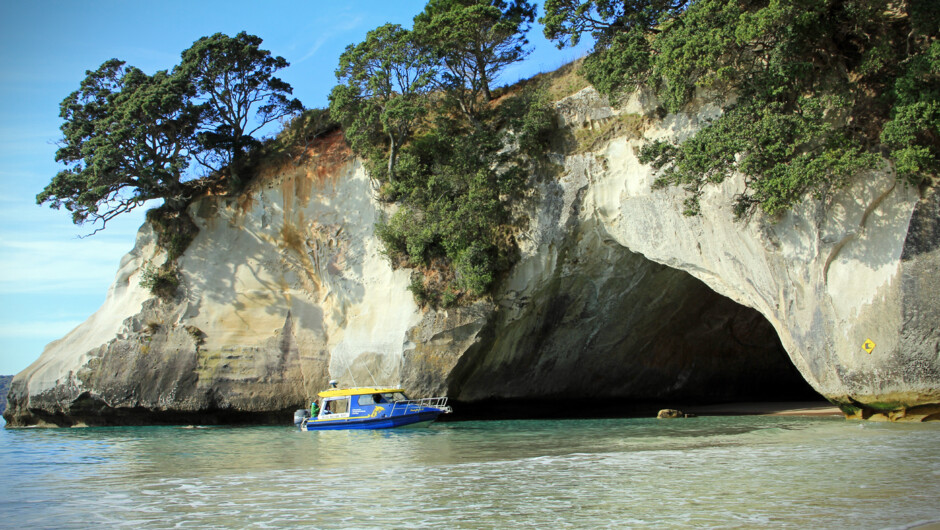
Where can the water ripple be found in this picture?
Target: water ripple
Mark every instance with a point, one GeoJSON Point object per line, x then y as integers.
{"type": "Point", "coordinates": [741, 472]}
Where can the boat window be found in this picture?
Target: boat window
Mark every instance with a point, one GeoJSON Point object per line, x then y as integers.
{"type": "Point", "coordinates": [394, 396]}
{"type": "Point", "coordinates": [367, 399]}
{"type": "Point", "coordinates": [335, 406]}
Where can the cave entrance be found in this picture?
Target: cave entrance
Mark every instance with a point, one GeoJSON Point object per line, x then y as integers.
{"type": "Point", "coordinates": [633, 338]}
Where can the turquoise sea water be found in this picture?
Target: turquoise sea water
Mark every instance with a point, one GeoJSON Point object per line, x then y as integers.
{"type": "Point", "coordinates": [728, 472]}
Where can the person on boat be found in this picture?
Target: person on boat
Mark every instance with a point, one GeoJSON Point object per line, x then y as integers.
{"type": "Point", "coordinates": [314, 409]}
{"type": "Point", "coordinates": [326, 408]}
{"type": "Point", "coordinates": [377, 398]}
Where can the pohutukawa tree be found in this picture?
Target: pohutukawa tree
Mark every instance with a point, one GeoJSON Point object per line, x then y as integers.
{"type": "Point", "coordinates": [128, 138]}
{"type": "Point", "coordinates": [383, 83]}
{"type": "Point", "coordinates": [235, 78]}
{"type": "Point", "coordinates": [474, 40]}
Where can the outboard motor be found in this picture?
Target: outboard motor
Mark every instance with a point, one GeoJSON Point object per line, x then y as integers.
{"type": "Point", "coordinates": [300, 415]}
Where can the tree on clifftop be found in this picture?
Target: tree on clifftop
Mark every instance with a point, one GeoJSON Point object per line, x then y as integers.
{"type": "Point", "coordinates": [127, 139]}
{"type": "Point", "coordinates": [474, 40]}
{"type": "Point", "coordinates": [384, 79]}
{"type": "Point", "coordinates": [130, 137]}
{"type": "Point", "coordinates": [823, 90]}
{"type": "Point", "coordinates": [235, 78]}
{"type": "Point", "coordinates": [621, 31]}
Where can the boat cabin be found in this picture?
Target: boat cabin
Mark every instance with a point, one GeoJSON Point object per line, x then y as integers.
{"type": "Point", "coordinates": [358, 402]}
{"type": "Point", "coordinates": [371, 408]}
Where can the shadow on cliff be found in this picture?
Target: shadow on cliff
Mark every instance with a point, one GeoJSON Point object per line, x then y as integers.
{"type": "Point", "coordinates": [604, 332]}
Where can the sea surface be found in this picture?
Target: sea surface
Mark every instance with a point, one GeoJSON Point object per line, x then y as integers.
{"type": "Point", "coordinates": [723, 472]}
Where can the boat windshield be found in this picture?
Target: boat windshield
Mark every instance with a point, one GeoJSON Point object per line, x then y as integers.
{"type": "Point", "coordinates": [385, 397]}
{"type": "Point", "coordinates": [391, 397]}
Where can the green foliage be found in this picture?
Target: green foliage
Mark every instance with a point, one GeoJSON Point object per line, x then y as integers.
{"type": "Point", "coordinates": [443, 155]}
{"type": "Point", "coordinates": [235, 78]}
{"type": "Point", "coordinates": [791, 153]}
{"type": "Point", "coordinates": [130, 137]}
{"type": "Point", "coordinates": [384, 80]}
{"type": "Point", "coordinates": [913, 132]}
{"type": "Point", "coordinates": [822, 88]}
{"type": "Point", "coordinates": [621, 66]}
{"type": "Point", "coordinates": [127, 139]}
{"type": "Point", "coordinates": [457, 185]}
{"type": "Point", "coordinates": [531, 116]}
{"type": "Point", "coordinates": [566, 20]}
{"type": "Point", "coordinates": [162, 281]}
{"type": "Point", "coordinates": [175, 230]}
{"type": "Point", "coordinates": [474, 40]}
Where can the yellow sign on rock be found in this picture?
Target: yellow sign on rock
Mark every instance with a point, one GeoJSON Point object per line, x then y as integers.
{"type": "Point", "coordinates": [868, 346]}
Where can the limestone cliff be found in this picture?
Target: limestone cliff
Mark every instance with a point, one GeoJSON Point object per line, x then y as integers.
{"type": "Point", "coordinates": [616, 295]}
{"type": "Point", "coordinates": [4, 389]}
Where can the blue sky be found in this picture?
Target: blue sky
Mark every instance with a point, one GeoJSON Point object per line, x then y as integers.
{"type": "Point", "coordinates": [50, 280]}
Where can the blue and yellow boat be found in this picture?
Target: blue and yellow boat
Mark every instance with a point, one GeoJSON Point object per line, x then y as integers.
{"type": "Point", "coordinates": [370, 408]}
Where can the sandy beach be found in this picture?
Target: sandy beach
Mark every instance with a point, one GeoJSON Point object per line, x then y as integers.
{"type": "Point", "coordinates": [785, 408]}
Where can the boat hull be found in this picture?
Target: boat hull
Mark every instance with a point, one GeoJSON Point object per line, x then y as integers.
{"type": "Point", "coordinates": [418, 419]}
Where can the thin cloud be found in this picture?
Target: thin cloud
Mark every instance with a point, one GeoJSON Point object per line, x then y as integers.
{"type": "Point", "coordinates": [313, 50]}
{"type": "Point", "coordinates": [38, 266]}
{"type": "Point", "coordinates": [330, 35]}
{"type": "Point", "coordinates": [37, 329]}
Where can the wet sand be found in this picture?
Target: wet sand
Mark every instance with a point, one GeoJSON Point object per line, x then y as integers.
{"type": "Point", "coordinates": [788, 408]}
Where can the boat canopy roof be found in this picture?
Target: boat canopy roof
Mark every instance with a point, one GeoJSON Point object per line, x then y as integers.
{"type": "Point", "coordinates": [336, 392]}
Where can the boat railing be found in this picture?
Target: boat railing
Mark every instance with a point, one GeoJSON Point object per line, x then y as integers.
{"type": "Point", "coordinates": [434, 402]}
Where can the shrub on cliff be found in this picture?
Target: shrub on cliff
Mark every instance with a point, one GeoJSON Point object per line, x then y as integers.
{"type": "Point", "coordinates": [823, 89]}
{"type": "Point", "coordinates": [453, 161]}
{"type": "Point", "coordinates": [457, 184]}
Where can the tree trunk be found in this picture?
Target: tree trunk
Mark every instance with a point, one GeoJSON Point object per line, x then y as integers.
{"type": "Point", "coordinates": [392, 155]}
{"type": "Point", "coordinates": [480, 65]}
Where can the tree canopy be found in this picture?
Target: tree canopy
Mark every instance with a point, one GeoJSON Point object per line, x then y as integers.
{"type": "Point", "coordinates": [415, 104]}
{"type": "Point", "coordinates": [566, 20]}
{"type": "Point", "coordinates": [821, 89]}
{"type": "Point", "coordinates": [383, 80]}
{"type": "Point", "coordinates": [474, 40]}
{"type": "Point", "coordinates": [127, 138]}
{"type": "Point", "coordinates": [235, 78]}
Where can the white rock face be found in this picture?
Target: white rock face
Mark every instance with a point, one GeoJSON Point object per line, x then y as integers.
{"type": "Point", "coordinates": [281, 290]}
{"type": "Point", "coordinates": [299, 257]}
{"type": "Point", "coordinates": [286, 287]}
{"type": "Point", "coordinates": [828, 276]}
{"type": "Point", "coordinates": [62, 359]}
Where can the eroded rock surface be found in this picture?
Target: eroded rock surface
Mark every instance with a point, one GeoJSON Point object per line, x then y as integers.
{"type": "Point", "coordinates": [829, 276]}
{"type": "Point", "coordinates": [617, 295]}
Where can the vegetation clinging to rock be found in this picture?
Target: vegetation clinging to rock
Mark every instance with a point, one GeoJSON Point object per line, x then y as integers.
{"type": "Point", "coordinates": [822, 89]}
{"type": "Point", "coordinates": [457, 184]}
{"type": "Point", "coordinates": [446, 156]}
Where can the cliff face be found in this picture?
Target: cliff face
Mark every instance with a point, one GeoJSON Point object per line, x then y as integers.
{"type": "Point", "coordinates": [4, 389]}
{"type": "Point", "coordinates": [280, 287]}
{"type": "Point", "coordinates": [616, 295]}
{"type": "Point", "coordinates": [829, 276]}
